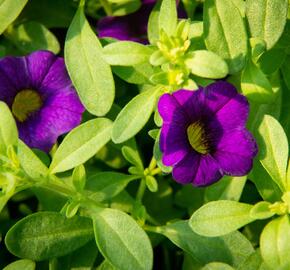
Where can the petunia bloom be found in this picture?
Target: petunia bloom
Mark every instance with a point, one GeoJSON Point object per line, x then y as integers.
{"type": "Point", "coordinates": [41, 97]}
{"type": "Point", "coordinates": [203, 135]}
{"type": "Point", "coordinates": [131, 27]}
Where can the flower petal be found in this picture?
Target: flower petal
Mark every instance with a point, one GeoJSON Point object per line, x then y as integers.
{"type": "Point", "coordinates": [233, 114]}
{"type": "Point", "coordinates": [56, 78]}
{"type": "Point", "coordinates": [60, 113]}
{"type": "Point", "coordinates": [38, 64]}
{"type": "Point", "coordinates": [7, 89]}
{"type": "Point", "coordinates": [218, 94]}
{"type": "Point", "coordinates": [192, 102]}
{"type": "Point", "coordinates": [16, 70]}
{"type": "Point", "coordinates": [184, 171]}
{"type": "Point", "coordinates": [173, 144]}
{"type": "Point", "coordinates": [235, 152]}
{"type": "Point", "coordinates": [171, 111]}
{"type": "Point", "coordinates": [208, 171]}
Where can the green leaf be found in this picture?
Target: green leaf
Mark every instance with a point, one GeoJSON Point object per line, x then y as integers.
{"type": "Point", "coordinates": [21, 264]}
{"type": "Point", "coordinates": [158, 156]}
{"type": "Point", "coordinates": [168, 16]}
{"type": "Point", "coordinates": [105, 185]}
{"type": "Point", "coordinates": [253, 262]}
{"type": "Point", "coordinates": [273, 149]}
{"type": "Point", "coordinates": [80, 144]}
{"type": "Point", "coordinates": [53, 14]}
{"type": "Point", "coordinates": [207, 64]}
{"type": "Point", "coordinates": [125, 251]}
{"type": "Point", "coordinates": [229, 188]}
{"type": "Point", "coordinates": [151, 183]}
{"type": "Point", "coordinates": [153, 24]}
{"type": "Point", "coordinates": [261, 210]}
{"type": "Point", "coordinates": [134, 115]}
{"type": "Point", "coordinates": [8, 129]}
{"type": "Point", "coordinates": [105, 265]}
{"type": "Point", "coordinates": [132, 156]}
{"type": "Point", "coordinates": [232, 249]}
{"type": "Point", "coordinates": [81, 259]}
{"type": "Point", "coordinates": [217, 266]}
{"type": "Point", "coordinates": [9, 11]}
{"type": "Point", "coordinates": [222, 36]}
{"type": "Point", "coordinates": [124, 7]}
{"type": "Point", "coordinates": [220, 217]}
{"type": "Point", "coordinates": [79, 177]}
{"type": "Point", "coordinates": [46, 235]}
{"type": "Point", "coordinates": [275, 242]}
{"type": "Point", "coordinates": [31, 164]}
{"type": "Point", "coordinates": [90, 74]}
{"type": "Point", "coordinates": [138, 74]}
{"type": "Point", "coordinates": [267, 19]}
{"type": "Point", "coordinates": [271, 61]}
{"type": "Point", "coordinates": [255, 85]}
{"type": "Point", "coordinates": [32, 36]}
{"type": "Point", "coordinates": [267, 188]}
{"type": "Point", "coordinates": [126, 53]}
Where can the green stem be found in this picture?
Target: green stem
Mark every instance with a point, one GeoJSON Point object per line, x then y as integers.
{"type": "Point", "coordinates": [107, 7]}
{"type": "Point", "coordinates": [156, 171]}
{"type": "Point", "coordinates": [152, 164]}
{"type": "Point", "coordinates": [155, 229]}
{"type": "Point", "coordinates": [67, 192]}
{"type": "Point", "coordinates": [141, 190]}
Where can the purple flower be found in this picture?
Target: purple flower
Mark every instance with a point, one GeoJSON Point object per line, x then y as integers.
{"type": "Point", "coordinates": [131, 27]}
{"type": "Point", "coordinates": [204, 135]}
{"type": "Point", "coordinates": [41, 97]}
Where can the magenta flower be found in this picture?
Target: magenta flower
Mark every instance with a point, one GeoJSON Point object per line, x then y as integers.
{"type": "Point", "coordinates": [131, 27]}
{"type": "Point", "coordinates": [204, 135]}
{"type": "Point", "coordinates": [41, 97]}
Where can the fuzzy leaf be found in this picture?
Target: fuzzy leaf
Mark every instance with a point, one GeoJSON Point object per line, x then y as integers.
{"type": "Point", "coordinates": [90, 74]}
{"type": "Point", "coordinates": [222, 36]}
{"type": "Point", "coordinates": [80, 144]}
{"type": "Point", "coordinates": [267, 19]}
{"type": "Point", "coordinates": [220, 217]}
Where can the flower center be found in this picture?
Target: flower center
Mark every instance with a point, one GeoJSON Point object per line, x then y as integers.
{"type": "Point", "coordinates": [197, 138]}
{"type": "Point", "coordinates": [25, 103]}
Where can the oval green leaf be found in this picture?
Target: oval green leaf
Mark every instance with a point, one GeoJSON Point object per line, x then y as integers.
{"type": "Point", "coordinates": [105, 185]}
{"type": "Point", "coordinates": [21, 264]}
{"type": "Point", "coordinates": [46, 235]}
{"type": "Point", "coordinates": [168, 16]}
{"type": "Point", "coordinates": [8, 128]}
{"type": "Point", "coordinates": [32, 36]}
{"type": "Point", "coordinates": [134, 115]}
{"type": "Point", "coordinates": [255, 85]}
{"type": "Point", "coordinates": [232, 248]}
{"type": "Point", "coordinates": [273, 149]}
{"type": "Point", "coordinates": [267, 19]}
{"type": "Point", "coordinates": [81, 144]}
{"type": "Point", "coordinates": [220, 217]}
{"type": "Point", "coordinates": [125, 251]}
{"type": "Point", "coordinates": [9, 11]}
{"type": "Point", "coordinates": [126, 53]}
{"type": "Point", "coordinates": [275, 243]}
{"type": "Point", "coordinates": [207, 64]}
{"type": "Point", "coordinates": [261, 210]}
{"type": "Point", "coordinates": [31, 164]}
{"type": "Point", "coordinates": [222, 36]}
{"type": "Point", "coordinates": [90, 74]}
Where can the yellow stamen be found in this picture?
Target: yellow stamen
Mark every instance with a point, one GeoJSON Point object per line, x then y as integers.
{"type": "Point", "coordinates": [25, 103]}
{"type": "Point", "coordinates": [197, 138]}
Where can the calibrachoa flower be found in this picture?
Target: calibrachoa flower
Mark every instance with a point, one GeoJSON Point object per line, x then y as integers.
{"type": "Point", "coordinates": [41, 97]}
{"type": "Point", "coordinates": [131, 27]}
{"type": "Point", "coordinates": [203, 135]}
